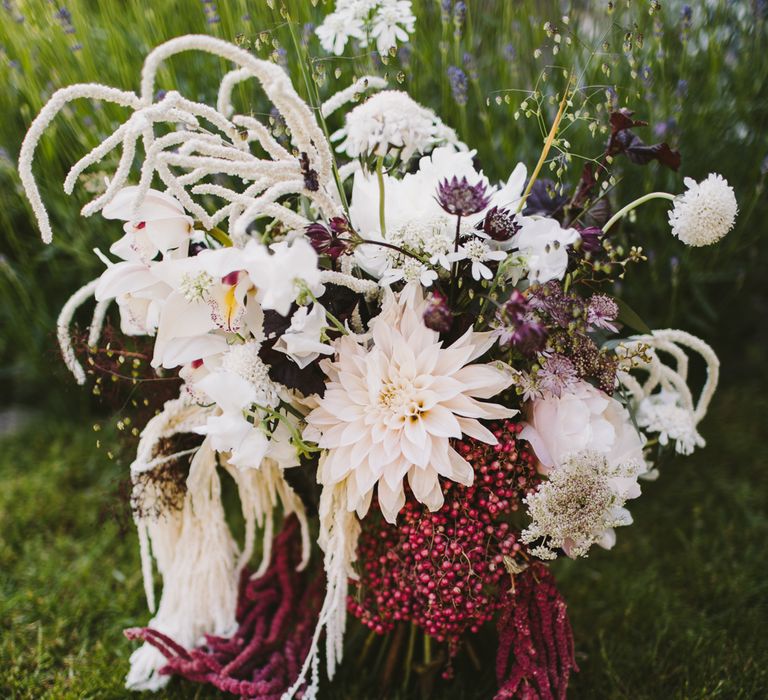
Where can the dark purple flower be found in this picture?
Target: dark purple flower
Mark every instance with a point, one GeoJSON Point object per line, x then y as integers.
{"type": "Point", "coordinates": [499, 224]}
{"type": "Point", "coordinates": [327, 240]}
{"type": "Point", "coordinates": [591, 239]}
{"type": "Point", "coordinates": [517, 326]}
{"type": "Point", "coordinates": [460, 198]}
{"type": "Point", "coordinates": [437, 314]}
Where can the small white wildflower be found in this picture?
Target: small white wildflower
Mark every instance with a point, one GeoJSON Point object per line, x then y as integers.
{"type": "Point", "coordinates": [337, 28]}
{"type": "Point", "coordinates": [580, 504]}
{"type": "Point", "coordinates": [705, 212]}
{"type": "Point", "coordinates": [478, 253]}
{"type": "Point", "coordinates": [663, 413]}
{"type": "Point", "coordinates": [195, 285]}
{"type": "Point", "coordinates": [391, 120]}
{"type": "Point", "coordinates": [394, 21]}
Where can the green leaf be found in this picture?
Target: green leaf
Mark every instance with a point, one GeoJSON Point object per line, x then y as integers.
{"type": "Point", "coordinates": [629, 317]}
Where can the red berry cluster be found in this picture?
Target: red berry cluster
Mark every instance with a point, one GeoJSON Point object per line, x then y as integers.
{"type": "Point", "coordinates": [444, 570]}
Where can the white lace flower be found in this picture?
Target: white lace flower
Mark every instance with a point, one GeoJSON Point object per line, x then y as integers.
{"type": "Point", "coordinates": [579, 505]}
{"type": "Point", "coordinates": [705, 212]}
{"type": "Point", "coordinates": [391, 121]}
{"type": "Point", "coordinates": [390, 410]}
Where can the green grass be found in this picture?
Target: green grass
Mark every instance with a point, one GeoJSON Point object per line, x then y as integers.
{"type": "Point", "coordinates": [676, 610]}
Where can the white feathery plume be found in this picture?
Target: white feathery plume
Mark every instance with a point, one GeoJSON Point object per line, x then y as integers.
{"type": "Point", "coordinates": [664, 400]}
{"type": "Point", "coordinates": [62, 329]}
{"type": "Point", "coordinates": [351, 93]}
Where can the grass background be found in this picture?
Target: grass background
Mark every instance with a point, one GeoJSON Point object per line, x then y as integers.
{"type": "Point", "coordinates": [678, 608]}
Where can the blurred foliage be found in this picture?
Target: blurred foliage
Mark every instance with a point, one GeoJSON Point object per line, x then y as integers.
{"type": "Point", "coordinates": [697, 73]}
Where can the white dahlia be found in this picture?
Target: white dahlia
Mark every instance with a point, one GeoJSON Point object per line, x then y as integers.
{"type": "Point", "coordinates": [705, 212]}
{"type": "Point", "coordinates": [391, 407]}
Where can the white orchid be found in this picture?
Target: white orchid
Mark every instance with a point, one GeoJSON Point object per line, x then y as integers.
{"type": "Point", "coordinates": [544, 244]}
{"type": "Point", "coordinates": [302, 342]}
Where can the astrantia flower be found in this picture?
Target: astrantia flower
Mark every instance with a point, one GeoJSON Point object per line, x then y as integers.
{"type": "Point", "coordinates": [390, 410]}
{"type": "Point", "coordinates": [557, 373]}
{"type": "Point", "coordinates": [516, 326]}
{"type": "Point", "coordinates": [580, 505]}
{"type": "Point", "coordinates": [392, 121]}
{"type": "Point", "coordinates": [602, 311]}
{"type": "Point", "coordinates": [460, 198]}
{"type": "Point", "coordinates": [499, 224]}
{"type": "Point", "coordinates": [705, 212]}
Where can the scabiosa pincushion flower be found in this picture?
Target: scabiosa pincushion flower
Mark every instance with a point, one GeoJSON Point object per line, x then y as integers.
{"type": "Point", "coordinates": [705, 212]}
{"type": "Point", "coordinates": [390, 409]}
{"type": "Point", "coordinates": [392, 121]}
{"type": "Point", "coordinates": [459, 198]}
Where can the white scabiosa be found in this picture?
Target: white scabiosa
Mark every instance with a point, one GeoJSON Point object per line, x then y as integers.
{"type": "Point", "coordinates": [705, 212]}
{"type": "Point", "coordinates": [391, 120]}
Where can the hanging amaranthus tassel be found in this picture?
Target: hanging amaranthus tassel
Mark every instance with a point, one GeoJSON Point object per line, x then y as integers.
{"type": "Point", "coordinates": [535, 656]}
{"type": "Point", "coordinates": [276, 615]}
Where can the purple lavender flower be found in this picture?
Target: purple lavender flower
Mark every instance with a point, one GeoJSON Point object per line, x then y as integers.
{"type": "Point", "coordinates": [602, 312]}
{"type": "Point", "coordinates": [326, 240]}
{"type": "Point", "coordinates": [460, 198]}
{"type": "Point", "coordinates": [459, 85]}
{"type": "Point", "coordinates": [556, 373]}
{"type": "Point", "coordinates": [499, 224]}
{"type": "Point", "coordinates": [437, 314]}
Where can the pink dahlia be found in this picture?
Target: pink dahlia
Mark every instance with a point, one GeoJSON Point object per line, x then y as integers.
{"type": "Point", "coordinates": [393, 403]}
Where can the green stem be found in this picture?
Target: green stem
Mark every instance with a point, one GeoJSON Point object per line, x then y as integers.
{"type": "Point", "coordinates": [380, 178]}
{"type": "Point", "coordinates": [636, 203]}
{"type": "Point", "coordinates": [409, 655]}
{"type": "Point", "coordinates": [314, 100]}
{"type": "Point", "coordinates": [427, 649]}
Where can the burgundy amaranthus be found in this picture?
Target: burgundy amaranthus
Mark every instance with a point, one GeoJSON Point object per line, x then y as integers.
{"type": "Point", "coordinates": [535, 655]}
{"type": "Point", "coordinates": [276, 615]}
{"type": "Point", "coordinates": [444, 570]}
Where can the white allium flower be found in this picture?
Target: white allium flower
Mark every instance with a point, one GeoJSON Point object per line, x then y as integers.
{"type": "Point", "coordinates": [390, 121]}
{"type": "Point", "coordinates": [580, 504]}
{"type": "Point", "coordinates": [705, 212]}
{"type": "Point", "coordinates": [664, 414]}
{"type": "Point", "coordinates": [391, 409]}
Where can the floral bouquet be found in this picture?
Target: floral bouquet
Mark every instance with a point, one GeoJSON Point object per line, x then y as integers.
{"type": "Point", "coordinates": [419, 381]}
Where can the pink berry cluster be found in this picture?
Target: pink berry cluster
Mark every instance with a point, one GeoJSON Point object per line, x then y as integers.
{"type": "Point", "coordinates": [445, 570]}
